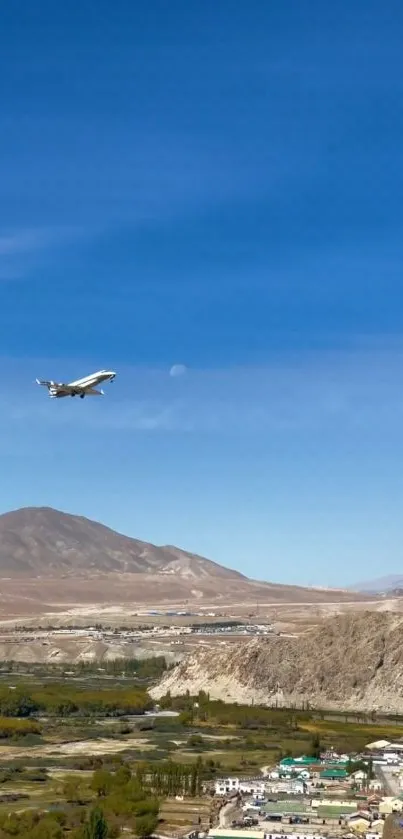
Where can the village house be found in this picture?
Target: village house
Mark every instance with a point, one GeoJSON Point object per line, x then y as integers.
{"type": "Point", "coordinates": [375, 785]}
{"type": "Point", "coordinates": [390, 805]}
{"type": "Point", "coordinates": [288, 786]}
{"type": "Point", "coordinates": [248, 786]}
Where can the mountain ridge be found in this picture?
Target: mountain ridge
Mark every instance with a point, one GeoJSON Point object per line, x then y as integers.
{"type": "Point", "coordinates": [380, 585]}
{"type": "Point", "coordinates": [29, 529]}
{"type": "Point", "coordinates": [41, 546]}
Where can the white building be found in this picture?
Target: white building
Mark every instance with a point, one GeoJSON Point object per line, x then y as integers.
{"type": "Point", "coordinates": [332, 802]}
{"type": "Point", "coordinates": [223, 833]}
{"type": "Point", "coordinates": [390, 805]}
{"type": "Point", "coordinates": [290, 787]}
{"type": "Point", "coordinates": [248, 787]}
{"type": "Point", "coordinates": [385, 752]}
{"type": "Point", "coordinates": [359, 776]}
{"type": "Point", "coordinates": [290, 772]}
{"type": "Point", "coordinates": [303, 835]}
{"type": "Point", "coordinates": [375, 785]}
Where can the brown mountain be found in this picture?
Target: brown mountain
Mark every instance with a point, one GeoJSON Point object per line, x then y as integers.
{"type": "Point", "coordinates": [39, 540]}
{"type": "Point", "coordinates": [57, 558]}
{"type": "Point", "coordinates": [352, 661]}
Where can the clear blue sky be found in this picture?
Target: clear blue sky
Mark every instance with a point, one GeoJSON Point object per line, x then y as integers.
{"type": "Point", "coordinates": [214, 184]}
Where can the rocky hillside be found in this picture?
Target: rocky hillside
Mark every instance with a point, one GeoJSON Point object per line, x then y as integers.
{"type": "Point", "coordinates": [353, 661]}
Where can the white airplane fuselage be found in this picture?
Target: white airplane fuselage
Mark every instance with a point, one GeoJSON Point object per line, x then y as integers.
{"type": "Point", "coordinates": [80, 387]}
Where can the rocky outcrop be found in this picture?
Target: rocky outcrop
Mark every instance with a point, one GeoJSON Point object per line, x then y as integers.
{"type": "Point", "coordinates": [352, 661]}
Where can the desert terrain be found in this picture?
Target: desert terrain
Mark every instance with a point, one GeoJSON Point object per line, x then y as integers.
{"type": "Point", "coordinates": [52, 562]}
{"type": "Point", "coordinates": [74, 590]}
{"type": "Point", "coordinates": [100, 638]}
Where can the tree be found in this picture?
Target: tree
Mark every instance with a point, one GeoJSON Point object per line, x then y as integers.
{"type": "Point", "coordinates": [73, 791]}
{"type": "Point", "coordinates": [134, 790]}
{"type": "Point", "coordinates": [166, 701]}
{"type": "Point", "coordinates": [145, 825]}
{"type": "Point", "coordinates": [193, 782]}
{"type": "Point", "coordinates": [96, 827]}
{"type": "Point", "coordinates": [194, 741]}
{"type": "Point", "coordinates": [123, 776]}
{"type": "Point", "coordinates": [147, 807]}
{"type": "Point", "coordinates": [101, 782]}
{"type": "Point", "coordinates": [315, 749]}
{"type": "Point", "coordinates": [46, 829]}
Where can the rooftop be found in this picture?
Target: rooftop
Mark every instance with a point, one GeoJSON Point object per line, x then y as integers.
{"type": "Point", "coordinates": [227, 833]}
{"type": "Point", "coordinates": [298, 761]}
{"type": "Point", "coordinates": [335, 811]}
{"type": "Point", "coordinates": [294, 807]}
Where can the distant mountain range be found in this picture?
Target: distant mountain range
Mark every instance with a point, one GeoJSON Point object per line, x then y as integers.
{"type": "Point", "coordinates": [380, 585]}
{"type": "Point", "coordinates": [48, 557]}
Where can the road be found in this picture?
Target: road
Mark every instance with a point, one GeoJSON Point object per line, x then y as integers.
{"type": "Point", "coordinates": [228, 813]}
{"type": "Point", "coordinates": [389, 781]}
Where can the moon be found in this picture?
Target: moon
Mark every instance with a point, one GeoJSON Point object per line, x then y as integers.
{"type": "Point", "coordinates": [177, 370]}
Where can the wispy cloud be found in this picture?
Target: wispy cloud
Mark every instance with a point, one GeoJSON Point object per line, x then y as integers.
{"type": "Point", "coordinates": [20, 247]}
{"type": "Point", "coordinates": [23, 241]}
{"type": "Point", "coordinates": [323, 392]}
{"type": "Point", "coordinates": [26, 240]}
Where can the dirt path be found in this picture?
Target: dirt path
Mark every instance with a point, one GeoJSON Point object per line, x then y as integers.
{"type": "Point", "coordinates": [77, 747]}
{"type": "Point", "coordinates": [227, 813]}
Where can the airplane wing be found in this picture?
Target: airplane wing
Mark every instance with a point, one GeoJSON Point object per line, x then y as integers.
{"type": "Point", "coordinates": [80, 390]}
{"type": "Point", "coordinates": [68, 389]}
{"type": "Point", "coordinates": [72, 389]}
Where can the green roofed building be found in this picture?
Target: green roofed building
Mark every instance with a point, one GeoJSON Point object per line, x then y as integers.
{"type": "Point", "coordinates": [287, 808]}
{"type": "Point", "coordinates": [336, 811]}
{"type": "Point", "coordinates": [336, 764]}
{"type": "Point", "coordinates": [300, 762]}
{"type": "Point", "coordinates": [333, 775]}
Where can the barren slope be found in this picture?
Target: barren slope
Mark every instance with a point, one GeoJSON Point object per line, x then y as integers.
{"type": "Point", "coordinates": [39, 547]}
{"type": "Point", "coordinates": [40, 540]}
{"type": "Point", "coordinates": [353, 661]}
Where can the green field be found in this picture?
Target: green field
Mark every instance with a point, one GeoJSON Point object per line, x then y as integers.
{"type": "Point", "coordinates": [70, 745]}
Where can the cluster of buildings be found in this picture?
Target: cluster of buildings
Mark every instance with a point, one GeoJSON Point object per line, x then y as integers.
{"type": "Point", "coordinates": [237, 629]}
{"type": "Point", "coordinates": [301, 776]}
{"type": "Point", "coordinates": [159, 631]}
{"type": "Point", "coordinates": [385, 751]}
{"type": "Point", "coordinates": [317, 798]}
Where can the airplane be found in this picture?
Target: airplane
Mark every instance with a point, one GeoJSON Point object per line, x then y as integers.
{"type": "Point", "coordinates": [81, 387]}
